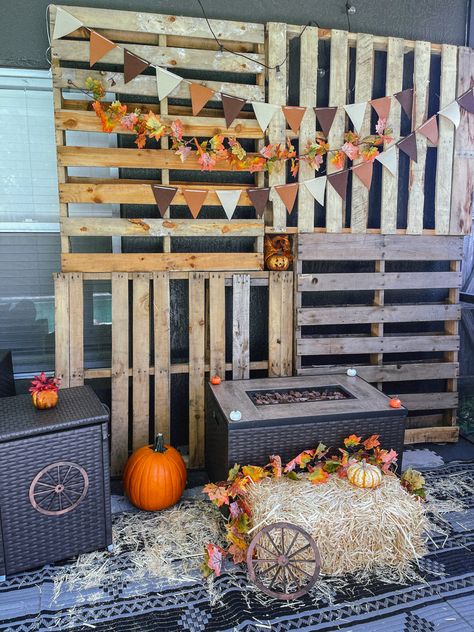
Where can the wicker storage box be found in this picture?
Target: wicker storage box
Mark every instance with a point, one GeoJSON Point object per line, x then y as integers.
{"type": "Point", "coordinates": [289, 428]}
{"type": "Point", "coordinates": [54, 479]}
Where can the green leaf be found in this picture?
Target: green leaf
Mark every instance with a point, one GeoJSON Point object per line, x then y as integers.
{"type": "Point", "coordinates": [233, 472]}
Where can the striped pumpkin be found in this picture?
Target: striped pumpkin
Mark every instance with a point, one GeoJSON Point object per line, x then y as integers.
{"type": "Point", "coordinates": [365, 475]}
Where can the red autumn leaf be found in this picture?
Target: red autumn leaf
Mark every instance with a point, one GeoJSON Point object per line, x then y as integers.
{"type": "Point", "coordinates": [275, 465]}
{"type": "Point", "coordinates": [215, 557]}
{"type": "Point", "coordinates": [371, 442]}
{"type": "Point", "coordinates": [318, 476]}
{"type": "Point", "coordinates": [388, 458]}
{"type": "Point", "coordinates": [301, 460]}
{"type": "Point", "coordinates": [218, 494]}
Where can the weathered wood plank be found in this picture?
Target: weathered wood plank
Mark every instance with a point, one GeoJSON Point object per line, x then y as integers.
{"type": "Point", "coordinates": [155, 23]}
{"type": "Point", "coordinates": [463, 169]}
{"type": "Point", "coordinates": [141, 360]}
{"type": "Point", "coordinates": [386, 344]}
{"type": "Point", "coordinates": [378, 281]}
{"type": "Point", "coordinates": [110, 226]}
{"type": "Point", "coordinates": [287, 318]}
{"type": "Point", "coordinates": [275, 284]}
{"type": "Point", "coordinates": [196, 368]}
{"type": "Point", "coordinates": [393, 84]}
{"type": "Point", "coordinates": [308, 99]}
{"type": "Point", "coordinates": [444, 160]}
{"type": "Point", "coordinates": [217, 324]}
{"type": "Point", "coordinates": [119, 373]}
{"type": "Point", "coordinates": [241, 327]}
{"type": "Point", "coordinates": [401, 372]}
{"type": "Point", "coordinates": [162, 353]}
{"type": "Point", "coordinates": [337, 97]}
{"type": "Point", "coordinates": [428, 401]}
{"type": "Point", "coordinates": [139, 262]}
{"type": "Point", "coordinates": [76, 330]}
{"type": "Point", "coordinates": [277, 90]}
{"type": "Point", "coordinates": [441, 434]}
{"type": "Point", "coordinates": [363, 92]}
{"type": "Point", "coordinates": [416, 188]}
{"type": "Point", "coordinates": [61, 327]}
{"type": "Point", "coordinates": [326, 247]}
{"type": "Point", "coordinates": [382, 314]}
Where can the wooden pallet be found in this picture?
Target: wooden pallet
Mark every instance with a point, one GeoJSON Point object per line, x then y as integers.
{"type": "Point", "coordinates": [388, 336]}
{"type": "Point", "coordinates": [165, 40]}
{"type": "Point", "coordinates": [141, 313]}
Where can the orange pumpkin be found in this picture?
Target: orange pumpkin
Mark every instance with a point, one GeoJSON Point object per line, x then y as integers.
{"type": "Point", "coordinates": [155, 476]}
{"type": "Point", "coordinates": [395, 402]}
{"type": "Point", "coordinates": [44, 399]}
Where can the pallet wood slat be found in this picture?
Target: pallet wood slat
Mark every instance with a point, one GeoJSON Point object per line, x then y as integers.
{"type": "Point", "coordinates": [241, 327]}
{"type": "Point", "coordinates": [437, 434]}
{"type": "Point", "coordinates": [76, 330]}
{"type": "Point", "coordinates": [383, 314]}
{"type": "Point", "coordinates": [141, 360]}
{"type": "Point", "coordinates": [385, 344]}
{"type": "Point", "coordinates": [196, 369]}
{"type": "Point", "coordinates": [378, 281]}
{"type": "Point", "coordinates": [280, 324]}
{"type": "Point", "coordinates": [62, 330]}
{"type": "Point", "coordinates": [402, 372]}
{"type": "Point", "coordinates": [429, 401]}
{"type": "Point", "coordinates": [119, 373]}
{"type": "Point", "coordinates": [162, 353]}
{"type": "Point", "coordinates": [217, 324]}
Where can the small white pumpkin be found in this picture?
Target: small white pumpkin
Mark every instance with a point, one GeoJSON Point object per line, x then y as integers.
{"type": "Point", "coordinates": [365, 475]}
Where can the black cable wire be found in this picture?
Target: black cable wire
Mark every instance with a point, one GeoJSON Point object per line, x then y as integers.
{"type": "Point", "coordinates": [227, 50]}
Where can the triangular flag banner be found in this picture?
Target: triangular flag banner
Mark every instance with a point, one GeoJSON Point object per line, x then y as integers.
{"type": "Point", "coordinates": [232, 107]}
{"type": "Point", "coordinates": [364, 172]}
{"type": "Point", "coordinates": [405, 98]}
{"type": "Point", "coordinates": [98, 47]}
{"type": "Point", "coordinates": [200, 95]}
{"type": "Point", "coordinates": [166, 82]}
{"type": "Point", "coordinates": [132, 65]}
{"type": "Point", "coordinates": [430, 130]}
{"type": "Point", "coordinates": [163, 196]}
{"type": "Point", "coordinates": [452, 112]}
{"type": "Point", "coordinates": [317, 188]}
{"type": "Point", "coordinates": [65, 23]}
{"type": "Point", "coordinates": [388, 159]}
{"type": "Point", "coordinates": [325, 118]}
{"type": "Point", "coordinates": [264, 113]}
{"type": "Point", "coordinates": [408, 146]}
{"type": "Point", "coordinates": [287, 193]}
{"type": "Point", "coordinates": [356, 112]}
{"type": "Point", "coordinates": [259, 198]}
{"type": "Point", "coordinates": [381, 106]}
{"type": "Point", "coordinates": [339, 181]}
{"type": "Point", "coordinates": [195, 198]}
{"type": "Point", "coordinates": [294, 115]}
{"type": "Point", "coordinates": [466, 101]}
{"type": "Point", "coordinates": [229, 200]}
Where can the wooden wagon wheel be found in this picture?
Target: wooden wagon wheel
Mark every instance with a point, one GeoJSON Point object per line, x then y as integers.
{"type": "Point", "coordinates": [283, 561]}
{"type": "Point", "coordinates": [58, 488]}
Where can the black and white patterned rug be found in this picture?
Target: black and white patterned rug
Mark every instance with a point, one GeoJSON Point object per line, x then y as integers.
{"type": "Point", "coordinates": [443, 601]}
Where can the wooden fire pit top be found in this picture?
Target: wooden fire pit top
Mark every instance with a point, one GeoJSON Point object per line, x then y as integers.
{"type": "Point", "coordinates": [361, 398]}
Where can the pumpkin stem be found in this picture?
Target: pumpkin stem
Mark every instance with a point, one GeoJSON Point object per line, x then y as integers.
{"type": "Point", "coordinates": [159, 445]}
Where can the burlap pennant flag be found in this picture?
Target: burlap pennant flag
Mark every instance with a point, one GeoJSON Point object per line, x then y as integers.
{"type": "Point", "coordinates": [466, 101]}
{"type": "Point", "coordinates": [294, 115]}
{"type": "Point", "coordinates": [364, 172]}
{"type": "Point", "coordinates": [195, 198]}
{"type": "Point", "coordinates": [317, 188]}
{"type": "Point", "coordinates": [65, 23]}
{"type": "Point", "coordinates": [163, 196]}
{"type": "Point", "coordinates": [356, 112]}
{"type": "Point", "coordinates": [325, 118]}
{"type": "Point", "coordinates": [200, 95]}
{"type": "Point", "coordinates": [166, 82]}
{"type": "Point", "coordinates": [381, 106]}
{"type": "Point", "coordinates": [430, 130]}
{"type": "Point", "coordinates": [264, 112]}
{"type": "Point", "coordinates": [259, 198]}
{"type": "Point", "coordinates": [132, 65]}
{"type": "Point", "coordinates": [231, 107]}
{"type": "Point", "coordinates": [338, 181]}
{"type": "Point", "coordinates": [405, 98]}
{"type": "Point", "coordinates": [452, 112]}
{"type": "Point", "coordinates": [99, 46]}
{"type": "Point", "coordinates": [388, 159]}
{"type": "Point", "coordinates": [229, 199]}
{"type": "Point", "coordinates": [408, 146]}
{"type": "Point", "coordinates": [287, 193]}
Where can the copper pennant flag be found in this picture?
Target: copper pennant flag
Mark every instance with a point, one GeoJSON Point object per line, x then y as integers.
{"type": "Point", "coordinates": [133, 65]}
{"type": "Point", "coordinates": [339, 181]}
{"type": "Point", "coordinates": [200, 95]}
{"type": "Point", "coordinates": [163, 196]}
{"type": "Point", "coordinates": [259, 198]}
{"type": "Point", "coordinates": [195, 199]}
{"type": "Point", "coordinates": [364, 172]}
{"type": "Point", "coordinates": [232, 107]}
{"type": "Point", "coordinates": [294, 115]}
{"type": "Point", "coordinates": [287, 193]}
{"type": "Point", "coordinates": [408, 146]}
{"type": "Point", "coordinates": [98, 47]}
{"type": "Point", "coordinates": [381, 106]}
{"type": "Point", "coordinates": [430, 130]}
{"type": "Point", "coordinates": [325, 118]}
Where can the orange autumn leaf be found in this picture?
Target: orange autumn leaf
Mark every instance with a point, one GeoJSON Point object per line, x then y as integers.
{"type": "Point", "coordinates": [217, 494]}
{"type": "Point", "coordinates": [352, 441]}
{"type": "Point", "coordinates": [318, 476]}
{"type": "Point", "coordinates": [254, 472]}
{"type": "Point", "coordinates": [371, 442]}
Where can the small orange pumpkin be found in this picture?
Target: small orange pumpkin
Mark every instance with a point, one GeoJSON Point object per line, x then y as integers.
{"type": "Point", "coordinates": [44, 399]}
{"type": "Point", "coordinates": [155, 476]}
{"type": "Point", "coordinates": [395, 402]}
{"type": "Point", "coordinates": [215, 379]}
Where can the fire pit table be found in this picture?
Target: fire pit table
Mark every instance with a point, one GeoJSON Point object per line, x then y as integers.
{"type": "Point", "coordinates": [288, 415]}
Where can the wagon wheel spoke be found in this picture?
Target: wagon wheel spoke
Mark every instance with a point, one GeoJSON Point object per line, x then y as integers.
{"type": "Point", "coordinates": [300, 570]}
{"type": "Point", "coordinates": [310, 560]}
{"type": "Point", "coordinates": [282, 540]}
{"type": "Point", "coordinates": [259, 544]}
{"type": "Point", "coordinates": [60, 501]}
{"type": "Point", "coordinates": [275, 576]}
{"type": "Point", "coordinates": [261, 559]}
{"type": "Point", "coordinates": [267, 571]}
{"type": "Point", "coordinates": [45, 484]}
{"type": "Point", "coordinates": [277, 550]}
{"type": "Point", "coordinates": [67, 474]}
{"type": "Point", "coordinates": [68, 498]}
{"type": "Point", "coordinates": [49, 492]}
{"type": "Point", "coordinates": [293, 577]}
{"type": "Point", "coordinates": [295, 537]}
{"type": "Point", "coordinates": [303, 548]}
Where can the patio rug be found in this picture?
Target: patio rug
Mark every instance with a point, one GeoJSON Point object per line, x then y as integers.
{"type": "Point", "coordinates": [443, 601]}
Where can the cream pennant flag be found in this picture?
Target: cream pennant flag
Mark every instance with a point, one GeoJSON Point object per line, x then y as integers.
{"type": "Point", "coordinates": [166, 82]}
{"type": "Point", "coordinates": [317, 188]}
{"type": "Point", "coordinates": [264, 113]}
{"type": "Point", "coordinates": [229, 199]}
{"type": "Point", "coordinates": [65, 23]}
{"type": "Point", "coordinates": [452, 112]}
{"type": "Point", "coordinates": [388, 159]}
{"type": "Point", "coordinates": [356, 112]}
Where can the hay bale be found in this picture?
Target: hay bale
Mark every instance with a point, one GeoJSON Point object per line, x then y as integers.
{"type": "Point", "coordinates": [359, 531]}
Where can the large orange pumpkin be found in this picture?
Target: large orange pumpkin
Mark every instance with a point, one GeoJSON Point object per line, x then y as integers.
{"type": "Point", "coordinates": [155, 476]}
